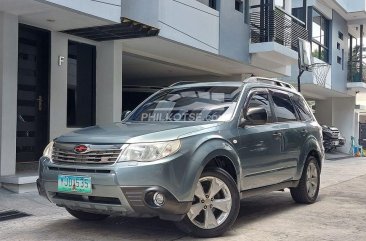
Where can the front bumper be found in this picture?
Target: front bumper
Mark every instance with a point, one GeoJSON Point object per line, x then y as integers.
{"type": "Point", "coordinates": [116, 189]}
{"type": "Point", "coordinates": [114, 200]}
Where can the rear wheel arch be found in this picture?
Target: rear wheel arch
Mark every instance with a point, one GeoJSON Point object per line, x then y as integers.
{"type": "Point", "coordinates": [310, 148]}
{"type": "Point", "coordinates": [314, 153]}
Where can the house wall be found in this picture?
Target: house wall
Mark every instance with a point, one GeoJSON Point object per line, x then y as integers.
{"type": "Point", "coordinates": [105, 9]}
{"type": "Point", "coordinates": [339, 71]}
{"type": "Point", "coordinates": [108, 80]}
{"type": "Point", "coordinates": [234, 32]}
{"type": "Point", "coordinates": [186, 21]}
{"type": "Point", "coordinates": [8, 92]}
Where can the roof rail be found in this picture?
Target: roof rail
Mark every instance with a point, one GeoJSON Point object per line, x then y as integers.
{"type": "Point", "coordinates": [269, 81]}
{"type": "Point", "coordinates": [182, 83]}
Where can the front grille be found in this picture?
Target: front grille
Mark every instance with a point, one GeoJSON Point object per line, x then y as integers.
{"type": "Point", "coordinates": [335, 133]}
{"type": "Point", "coordinates": [96, 155]}
{"type": "Point", "coordinates": [61, 169]}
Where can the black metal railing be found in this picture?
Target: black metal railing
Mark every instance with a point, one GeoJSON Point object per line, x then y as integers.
{"type": "Point", "coordinates": [275, 25]}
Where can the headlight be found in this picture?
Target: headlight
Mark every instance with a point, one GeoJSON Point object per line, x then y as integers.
{"type": "Point", "coordinates": [147, 152]}
{"type": "Point", "coordinates": [48, 150]}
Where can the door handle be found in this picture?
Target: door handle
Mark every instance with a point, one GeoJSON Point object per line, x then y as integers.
{"type": "Point", "coordinates": [40, 103]}
{"type": "Point", "coordinates": [277, 135]}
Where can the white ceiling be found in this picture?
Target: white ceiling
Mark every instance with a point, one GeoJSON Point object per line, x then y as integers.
{"type": "Point", "coordinates": [189, 59]}
{"type": "Point", "coordinates": [38, 13]}
{"type": "Point", "coordinates": [315, 92]}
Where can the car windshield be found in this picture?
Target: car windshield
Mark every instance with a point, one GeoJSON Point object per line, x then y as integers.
{"type": "Point", "coordinates": [205, 103]}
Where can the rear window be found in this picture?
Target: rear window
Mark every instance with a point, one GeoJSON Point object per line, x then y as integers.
{"type": "Point", "coordinates": [302, 108]}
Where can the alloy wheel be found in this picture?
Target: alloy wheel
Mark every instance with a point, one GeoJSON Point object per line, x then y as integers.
{"type": "Point", "coordinates": [312, 180]}
{"type": "Point", "coordinates": [212, 203]}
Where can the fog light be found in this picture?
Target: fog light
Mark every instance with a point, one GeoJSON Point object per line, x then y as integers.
{"type": "Point", "coordinates": [159, 199]}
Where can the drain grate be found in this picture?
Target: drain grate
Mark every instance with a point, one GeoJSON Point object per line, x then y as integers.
{"type": "Point", "coordinates": [11, 214]}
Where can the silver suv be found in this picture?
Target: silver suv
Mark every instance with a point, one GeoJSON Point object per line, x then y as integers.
{"type": "Point", "coordinates": [188, 154]}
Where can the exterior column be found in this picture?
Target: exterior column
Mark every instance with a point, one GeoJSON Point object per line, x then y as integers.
{"type": "Point", "coordinates": [109, 82]}
{"type": "Point", "coordinates": [344, 119]}
{"type": "Point", "coordinates": [338, 112]}
{"type": "Point", "coordinates": [361, 53]}
{"type": "Point", "coordinates": [8, 92]}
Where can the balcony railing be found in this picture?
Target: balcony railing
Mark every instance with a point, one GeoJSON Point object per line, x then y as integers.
{"type": "Point", "coordinates": [275, 25]}
{"type": "Point", "coordinates": [354, 72]}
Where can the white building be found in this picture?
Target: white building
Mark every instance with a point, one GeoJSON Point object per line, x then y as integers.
{"type": "Point", "coordinates": [67, 64]}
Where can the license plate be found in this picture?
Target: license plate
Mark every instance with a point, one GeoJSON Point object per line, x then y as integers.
{"type": "Point", "coordinates": [77, 184]}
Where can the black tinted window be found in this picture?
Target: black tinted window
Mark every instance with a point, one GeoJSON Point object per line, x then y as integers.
{"type": "Point", "coordinates": [80, 85]}
{"type": "Point", "coordinates": [302, 108]}
{"type": "Point", "coordinates": [260, 100]}
{"type": "Point", "coordinates": [283, 107]}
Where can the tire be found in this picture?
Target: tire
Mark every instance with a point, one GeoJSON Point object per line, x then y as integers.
{"type": "Point", "coordinates": [308, 189]}
{"type": "Point", "coordinates": [225, 189]}
{"type": "Point", "coordinates": [87, 216]}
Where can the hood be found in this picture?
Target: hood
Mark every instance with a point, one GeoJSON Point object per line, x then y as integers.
{"type": "Point", "coordinates": [134, 132]}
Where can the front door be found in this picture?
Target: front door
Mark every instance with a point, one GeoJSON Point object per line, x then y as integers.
{"type": "Point", "coordinates": [33, 92]}
{"type": "Point", "coordinates": [260, 145]}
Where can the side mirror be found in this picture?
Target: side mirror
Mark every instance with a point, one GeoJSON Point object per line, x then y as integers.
{"type": "Point", "coordinates": [256, 116]}
{"type": "Point", "coordinates": [125, 114]}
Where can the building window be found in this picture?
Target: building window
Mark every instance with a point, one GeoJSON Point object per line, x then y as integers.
{"type": "Point", "coordinates": [339, 60]}
{"type": "Point", "coordinates": [340, 35]}
{"type": "Point", "coordinates": [212, 4]}
{"type": "Point", "coordinates": [320, 36]}
{"type": "Point", "coordinates": [299, 13]}
{"type": "Point", "coordinates": [338, 46]}
{"type": "Point", "coordinates": [239, 6]}
{"type": "Point", "coordinates": [80, 85]}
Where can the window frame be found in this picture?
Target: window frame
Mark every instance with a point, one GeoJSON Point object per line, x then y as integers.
{"type": "Point", "coordinates": [319, 45]}
{"type": "Point", "coordinates": [252, 92]}
{"type": "Point", "coordinates": [289, 95]}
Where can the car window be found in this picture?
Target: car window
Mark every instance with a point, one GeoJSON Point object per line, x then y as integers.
{"type": "Point", "coordinates": [202, 103]}
{"type": "Point", "coordinates": [260, 100]}
{"type": "Point", "coordinates": [302, 108]}
{"type": "Point", "coordinates": [283, 108]}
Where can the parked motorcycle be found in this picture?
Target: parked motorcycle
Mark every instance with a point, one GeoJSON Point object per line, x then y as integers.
{"type": "Point", "coordinates": [332, 138]}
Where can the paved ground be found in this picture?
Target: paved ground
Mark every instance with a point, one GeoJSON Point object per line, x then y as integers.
{"type": "Point", "coordinates": [340, 214]}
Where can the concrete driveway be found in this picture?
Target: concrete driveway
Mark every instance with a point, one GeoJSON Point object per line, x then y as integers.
{"type": "Point", "coordinates": [340, 214]}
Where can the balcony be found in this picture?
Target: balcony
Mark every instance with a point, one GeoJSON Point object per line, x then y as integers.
{"type": "Point", "coordinates": [274, 37]}
{"type": "Point", "coordinates": [277, 26]}
{"type": "Point", "coordinates": [356, 68]}
{"type": "Point", "coordinates": [356, 77]}
{"type": "Point", "coordinates": [188, 22]}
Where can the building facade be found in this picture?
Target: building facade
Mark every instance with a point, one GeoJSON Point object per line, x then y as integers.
{"type": "Point", "coordinates": [68, 64]}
